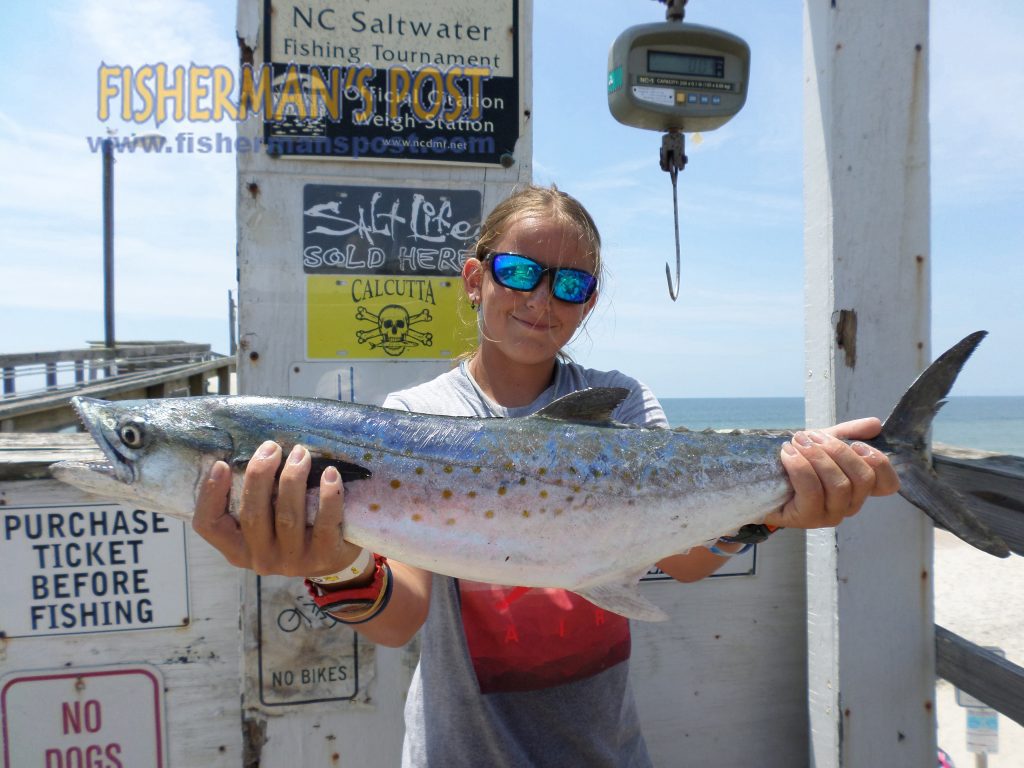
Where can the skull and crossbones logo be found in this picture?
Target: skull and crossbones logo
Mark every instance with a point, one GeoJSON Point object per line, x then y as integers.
{"type": "Point", "coordinates": [393, 332]}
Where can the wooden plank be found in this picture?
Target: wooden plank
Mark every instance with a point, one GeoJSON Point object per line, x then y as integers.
{"type": "Point", "coordinates": [28, 455]}
{"type": "Point", "coordinates": [993, 486]}
{"type": "Point", "coordinates": [866, 244]}
{"type": "Point", "coordinates": [977, 671]}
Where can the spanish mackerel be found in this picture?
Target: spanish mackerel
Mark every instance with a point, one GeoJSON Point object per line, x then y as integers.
{"type": "Point", "coordinates": [562, 498]}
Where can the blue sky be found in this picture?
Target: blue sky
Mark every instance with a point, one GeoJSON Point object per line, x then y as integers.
{"type": "Point", "coordinates": [740, 195]}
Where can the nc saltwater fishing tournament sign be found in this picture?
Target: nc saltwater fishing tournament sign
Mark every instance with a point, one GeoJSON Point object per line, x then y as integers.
{"type": "Point", "coordinates": [88, 568]}
{"type": "Point", "coordinates": [383, 269]}
{"type": "Point", "coordinates": [96, 717]}
{"type": "Point", "coordinates": [392, 79]}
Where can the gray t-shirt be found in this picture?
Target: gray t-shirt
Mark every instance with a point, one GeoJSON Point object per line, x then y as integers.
{"type": "Point", "coordinates": [510, 677]}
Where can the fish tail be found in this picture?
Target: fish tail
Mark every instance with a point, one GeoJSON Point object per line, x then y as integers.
{"type": "Point", "coordinates": [904, 437]}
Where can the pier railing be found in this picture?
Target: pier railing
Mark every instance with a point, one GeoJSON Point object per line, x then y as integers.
{"type": "Point", "coordinates": [993, 486]}
{"type": "Point", "coordinates": [37, 385]}
{"type": "Point", "coordinates": [28, 373]}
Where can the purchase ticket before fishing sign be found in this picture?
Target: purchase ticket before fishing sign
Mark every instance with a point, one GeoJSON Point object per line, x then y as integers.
{"type": "Point", "coordinates": [84, 568]}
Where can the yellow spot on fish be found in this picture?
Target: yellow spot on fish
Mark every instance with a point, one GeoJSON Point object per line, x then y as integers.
{"type": "Point", "coordinates": [543, 494]}
{"type": "Point", "coordinates": [417, 517]}
{"type": "Point", "coordinates": [367, 457]}
{"type": "Point", "coordinates": [502, 490]}
{"type": "Point", "coordinates": [476, 470]}
{"type": "Point", "coordinates": [419, 470]}
{"type": "Point", "coordinates": [396, 484]}
{"type": "Point", "coordinates": [489, 514]}
{"type": "Point", "coordinates": [446, 493]}
{"type": "Point", "coordinates": [375, 507]}
{"type": "Point", "coordinates": [472, 494]}
{"type": "Point", "coordinates": [526, 513]}
{"type": "Point", "coordinates": [558, 511]}
{"type": "Point", "coordinates": [522, 481]}
{"type": "Point", "coordinates": [509, 466]}
{"type": "Point", "coordinates": [575, 489]}
{"type": "Point", "coordinates": [450, 521]}
{"type": "Point", "coordinates": [448, 468]}
{"type": "Point", "coordinates": [542, 471]}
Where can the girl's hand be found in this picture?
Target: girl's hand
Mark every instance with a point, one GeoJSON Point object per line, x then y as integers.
{"type": "Point", "coordinates": [271, 535]}
{"type": "Point", "coordinates": [832, 478]}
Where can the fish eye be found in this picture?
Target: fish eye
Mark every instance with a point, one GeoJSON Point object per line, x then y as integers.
{"type": "Point", "coordinates": [132, 434]}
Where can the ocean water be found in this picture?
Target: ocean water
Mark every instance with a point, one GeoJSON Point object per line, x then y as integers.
{"type": "Point", "coordinates": [983, 423]}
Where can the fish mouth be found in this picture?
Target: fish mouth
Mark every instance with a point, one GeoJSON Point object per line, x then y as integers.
{"type": "Point", "coordinates": [100, 425]}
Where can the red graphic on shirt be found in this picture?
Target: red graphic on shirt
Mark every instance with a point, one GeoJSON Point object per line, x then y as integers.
{"type": "Point", "coordinates": [523, 639]}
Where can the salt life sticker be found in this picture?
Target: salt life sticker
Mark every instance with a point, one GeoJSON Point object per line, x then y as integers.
{"type": "Point", "coordinates": [664, 96]}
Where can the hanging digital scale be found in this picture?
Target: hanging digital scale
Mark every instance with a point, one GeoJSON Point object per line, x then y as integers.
{"type": "Point", "coordinates": [676, 77]}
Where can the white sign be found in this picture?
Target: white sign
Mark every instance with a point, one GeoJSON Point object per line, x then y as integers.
{"type": "Point", "coordinates": [101, 717]}
{"type": "Point", "coordinates": [982, 731]}
{"type": "Point", "coordinates": [83, 568]}
{"type": "Point", "coordinates": [305, 656]}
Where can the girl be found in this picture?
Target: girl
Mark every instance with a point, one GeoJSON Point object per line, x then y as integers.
{"type": "Point", "coordinates": [510, 676]}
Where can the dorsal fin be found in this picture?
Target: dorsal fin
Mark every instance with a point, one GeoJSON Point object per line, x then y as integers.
{"type": "Point", "coordinates": [588, 406]}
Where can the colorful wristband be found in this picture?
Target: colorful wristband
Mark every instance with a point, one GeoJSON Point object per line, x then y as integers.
{"type": "Point", "coordinates": [361, 603]}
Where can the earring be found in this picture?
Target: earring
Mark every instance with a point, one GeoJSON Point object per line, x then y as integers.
{"type": "Point", "coordinates": [473, 303]}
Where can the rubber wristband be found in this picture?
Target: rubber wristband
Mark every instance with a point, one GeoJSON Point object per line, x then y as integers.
{"type": "Point", "coordinates": [723, 553]}
{"type": "Point", "coordinates": [358, 567]}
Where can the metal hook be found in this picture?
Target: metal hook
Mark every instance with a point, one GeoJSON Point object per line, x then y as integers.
{"type": "Point", "coordinates": [673, 160]}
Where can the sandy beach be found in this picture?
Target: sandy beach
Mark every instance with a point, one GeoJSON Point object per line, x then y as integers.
{"type": "Point", "coordinates": [980, 598]}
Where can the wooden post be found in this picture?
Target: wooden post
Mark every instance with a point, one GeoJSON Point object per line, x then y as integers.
{"type": "Point", "coordinates": [869, 593]}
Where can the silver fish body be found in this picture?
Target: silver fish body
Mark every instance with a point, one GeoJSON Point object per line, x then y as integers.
{"type": "Point", "coordinates": [563, 498]}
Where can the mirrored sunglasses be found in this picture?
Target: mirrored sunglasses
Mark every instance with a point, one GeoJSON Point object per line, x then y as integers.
{"type": "Point", "coordinates": [521, 273]}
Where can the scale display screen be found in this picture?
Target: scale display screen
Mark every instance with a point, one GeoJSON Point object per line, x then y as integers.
{"type": "Point", "coordinates": [670, 63]}
{"type": "Point", "coordinates": [672, 76]}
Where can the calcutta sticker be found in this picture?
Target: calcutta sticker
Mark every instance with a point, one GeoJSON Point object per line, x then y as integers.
{"type": "Point", "coordinates": [385, 317]}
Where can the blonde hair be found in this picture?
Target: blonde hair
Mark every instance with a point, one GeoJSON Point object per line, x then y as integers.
{"type": "Point", "coordinates": [536, 202]}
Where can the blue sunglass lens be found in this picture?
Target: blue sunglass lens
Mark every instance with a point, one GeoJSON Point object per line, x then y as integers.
{"type": "Point", "coordinates": [517, 272]}
{"type": "Point", "coordinates": [524, 274]}
{"type": "Point", "coordinates": [573, 285]}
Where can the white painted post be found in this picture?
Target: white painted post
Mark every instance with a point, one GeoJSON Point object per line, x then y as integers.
{"type": "Point", "coordinates": [870, 622]}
